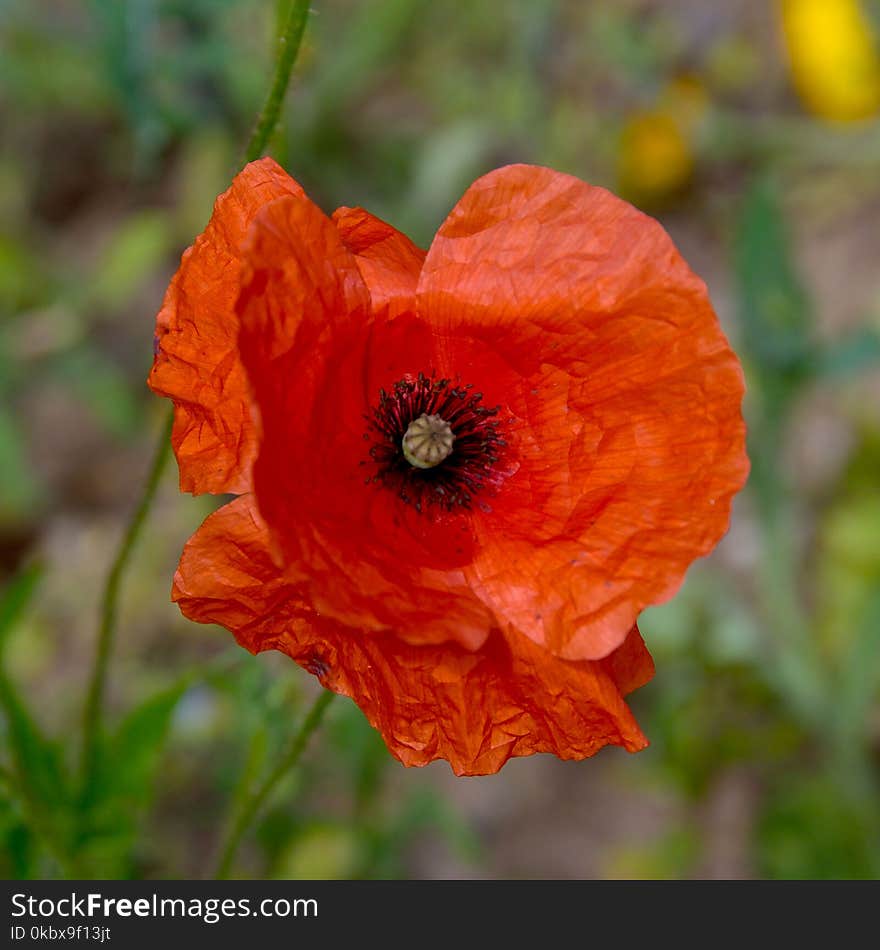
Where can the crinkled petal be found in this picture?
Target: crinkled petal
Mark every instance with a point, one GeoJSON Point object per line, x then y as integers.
{"type": "Point", "coordinates": [317, 355]}
{"type": "Point", "coordinates": [624, 392]}
{"type": "Point", "coordinates": [388, 261]}
{"type": "Point", "coordinates": [196, 362]}
{"type": "Point", "coordinates": [474, 709]}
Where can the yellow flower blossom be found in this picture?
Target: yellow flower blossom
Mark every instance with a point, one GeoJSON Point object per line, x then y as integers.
{"type": "Point", "coordinates": [833, 56]}
{"type": "Point", "coordinates": [656, 158]}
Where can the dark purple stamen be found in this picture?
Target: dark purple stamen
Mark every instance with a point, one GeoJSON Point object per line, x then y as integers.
{"type": "Point", "coordinates": [471, 469]}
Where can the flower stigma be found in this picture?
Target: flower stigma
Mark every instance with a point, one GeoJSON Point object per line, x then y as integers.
{"type": "Point", "coordinates": [428, 441]}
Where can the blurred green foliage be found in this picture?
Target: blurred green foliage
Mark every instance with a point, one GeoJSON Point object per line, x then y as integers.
{"type": "Point", "coordinates": [121, 123]}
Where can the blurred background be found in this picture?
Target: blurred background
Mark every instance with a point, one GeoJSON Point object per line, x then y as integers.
{"type": "Point", "coordinates": [749, 128]}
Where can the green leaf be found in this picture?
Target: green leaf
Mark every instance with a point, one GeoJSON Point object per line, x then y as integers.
{"type": "Point", "coordinates": [125, 783]}
{"type": "Point", "coordinates": [136, 748]}
{"type": "Point", "coordinates": [775, 312]}
{"type": "Point", "coordinates": [112, 809]}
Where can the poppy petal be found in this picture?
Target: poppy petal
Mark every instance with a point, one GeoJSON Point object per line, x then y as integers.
{"type": "Point", "coordinates": [196, 362]}
{"type": "Point", "coordinates": [316, 353]}
{"type": "Point", "coordinates": [627, 408]}
{"type": "Point", "coordinates": [389, 262]}
{"type": "Point", "coordinates": [475, 710]}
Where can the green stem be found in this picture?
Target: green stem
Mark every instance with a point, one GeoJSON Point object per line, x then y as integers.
{"type": "Point", "coordinates": [252, 809]}
{"type": "Point", "coordinates": [109, 604]}
{"type": "Point", "coordinates": [288, 48]}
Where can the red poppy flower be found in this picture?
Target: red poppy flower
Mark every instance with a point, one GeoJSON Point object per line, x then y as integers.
{"type": "Point", "coordinates": [463, 474]}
